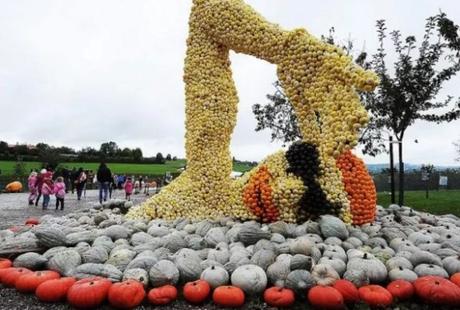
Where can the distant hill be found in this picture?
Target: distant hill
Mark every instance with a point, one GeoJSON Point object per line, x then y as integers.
{"type": "Point", "coordinates": [376, 168]}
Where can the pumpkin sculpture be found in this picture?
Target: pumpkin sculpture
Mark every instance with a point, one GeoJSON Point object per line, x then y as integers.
{"type": "Point", "coordinates": [162, 295]}
{"type": "Point", "coordinates": [126, 295]}
{"type": "Point", "coordinates": [54, 290]}
{"type": "Point", "coordinates": [310, 71]}
{"type": "Point", "coordinates": [279, 297]}
{"type": "Point", "coordinates": [197, 291]}
{"type": "Point", "coordinates": [228, 296]}
{"type": "Point", "coordinates": [29, 282]}
{"type": "Point", "coordinates": [89, 292]}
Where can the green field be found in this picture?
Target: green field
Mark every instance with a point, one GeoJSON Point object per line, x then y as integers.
{"type": "Point", "coordinates": [7, 167]}
{"type": "Point", "coordinates": [439, 202]}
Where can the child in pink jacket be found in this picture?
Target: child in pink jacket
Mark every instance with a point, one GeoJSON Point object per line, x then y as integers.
{"type": "Point", "coordinates": [47, 191]}
{"type": "Point", "coordinates": [129, 188]}
{"type": "Point", "coordinates": [59, 191]}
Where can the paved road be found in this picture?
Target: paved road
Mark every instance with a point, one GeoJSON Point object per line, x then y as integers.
{"type": "Point", "coordinates": [14, 208]}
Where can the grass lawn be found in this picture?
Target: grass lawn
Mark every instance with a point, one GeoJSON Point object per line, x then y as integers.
{"type": "Point", "coordinates": [439, 202]}
{"type": "Point", "coordinates": [7, 167]}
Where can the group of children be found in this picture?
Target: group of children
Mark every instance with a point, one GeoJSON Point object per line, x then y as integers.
{"type": "Point", "coordinates": [41, 184]}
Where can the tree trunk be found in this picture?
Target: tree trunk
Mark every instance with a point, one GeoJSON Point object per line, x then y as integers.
{"type": "Point", "coordinates": [401, 175]}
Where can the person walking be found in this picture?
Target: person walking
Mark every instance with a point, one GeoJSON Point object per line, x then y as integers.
{"type": "Point", "coordinates": [39, 185]}
{"type": "Point", "coordinates": [80, 182]}
{"type": "Point", "coordinates": [59, 191]}
{"type": "Point", "coordinates": [104, 178]}
{"type": "Point", "coordinates": [73, 179]}
{"type": "Point", "coordinates": [31, 183]}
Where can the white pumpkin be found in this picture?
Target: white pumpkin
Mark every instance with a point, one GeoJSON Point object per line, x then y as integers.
{"type": "Point", "coordinates": [451, 264]}
{"type": "Point", "coordinates": [332, 226]}
{"type": "Point", "coordinates": [401, 273]}
{"type": "Point", "coordinates": [215, 276]}
{"type": "Point", "coordinates": [430, 270]}
{"type": "Point", "coordinates": [300, 281]}
{"type": "Point", "coordinates": [336, 263]}
{"type": "Point", "coordinates": [374, 268]}
{"type": "Point", "coordinates": [250, 278]}
{"type": "Point", "coordinates": [277, 273]}
{"type": "Point", "coordinates": [357, 277]}
{"type": "Point", "coordinates": [396, 262]}
{"type": "Point", "coordinates": [324, 274]}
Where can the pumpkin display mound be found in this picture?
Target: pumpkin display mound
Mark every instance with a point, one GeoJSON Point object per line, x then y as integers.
{"type": "Point", "coordinates": [244, 259]}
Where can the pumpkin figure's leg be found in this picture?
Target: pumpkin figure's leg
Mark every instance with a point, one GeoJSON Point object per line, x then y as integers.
{"type": "Point", "coordinates": [318, 79]}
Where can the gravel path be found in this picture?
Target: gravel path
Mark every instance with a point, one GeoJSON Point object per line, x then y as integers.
{"type": "Point", "coordinates": [14, 208]}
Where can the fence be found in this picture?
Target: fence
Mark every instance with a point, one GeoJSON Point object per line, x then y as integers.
{"type": "Point", "coordinates": [413, 180]}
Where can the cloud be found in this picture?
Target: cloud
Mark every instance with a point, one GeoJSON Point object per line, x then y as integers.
{"type": "Point", "coordinates": [84, 72]}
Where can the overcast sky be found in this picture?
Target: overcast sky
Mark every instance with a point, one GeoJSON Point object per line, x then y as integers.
{"type": "Point", "coordinates": [80, 73]}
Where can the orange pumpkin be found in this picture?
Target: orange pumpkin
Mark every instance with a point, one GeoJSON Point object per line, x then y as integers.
{"type": "Point", "coordinates": [162, 295]}
{"type": "Point", "coordinates": [127, 294]}
{"type": "Point", "coordinates": [455, 278]}
{"type": "Point", "coordinates": [401, 289]}
{"type": "Point", "coordinates": [279, 297]}
{"type": "Point", "coordinates": [326, 297]}
{"type": "Point", "coordinates": [228, 296]}
{"type": "Point", "coordinates": [32, 221]}
{"type": "Point", "coordinates": [348, 290]}
{"type": "Point", "coordinates": [29, 282]}
{"type": "Point", "coordinates": [5, 263]}
{"type": "Point", "coordinates": [437, 290]}
{"type": "Point", "coordinates": [375, 295]}
{"type": "Point", "coordinates": [14, 187]}
{"type": "Point", "coordinates": [197, 291]}
{"type": "Point", "coordinates": [54, 290]}
{"type": "Point", "coordinates": [88, 293]}
{"type": "Point", "coordinates": [11, 275]}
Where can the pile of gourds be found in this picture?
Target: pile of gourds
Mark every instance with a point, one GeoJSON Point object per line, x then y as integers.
{"type": "Point", "coordinates": [92, 292]}
{"type": "Point", "coordinates": [321, 82]}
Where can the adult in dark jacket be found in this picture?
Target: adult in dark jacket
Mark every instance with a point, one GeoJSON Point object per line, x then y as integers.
{"type": "Point", "coordinates": [104, 178]}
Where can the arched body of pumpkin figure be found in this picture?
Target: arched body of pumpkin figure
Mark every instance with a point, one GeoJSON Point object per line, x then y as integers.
{"type": "Point", "coordinates": [320, 82]}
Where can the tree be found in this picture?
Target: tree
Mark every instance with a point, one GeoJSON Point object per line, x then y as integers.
{"type": "Point", "coordinates": [126, 152]}
{"type": "Point", "coordinates": [410, 92]}
{"type": "Point", "coordinates": [89, 151]}
{"type": "Point", "coordinates": [49, 158]}
{"type": "Point", "coordinates": [168, 157]}
{"type": "Point", "coordinates": [109, 149]}
{"type": "Point", "coordinates": [159, 158]}
{"type": "Point", "coordinates": [3, 147]}
{"type": "Point", "coordinates": [19, 168]}
{"type": "Point", "coordinates": [137, 154]}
